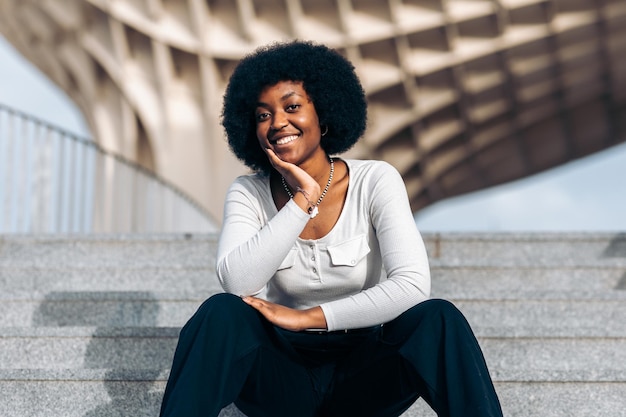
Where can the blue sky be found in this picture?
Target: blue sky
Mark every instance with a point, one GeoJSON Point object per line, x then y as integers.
{"type": "Point", "coordinates": [585, 195]}
{"type": "Point", "coordinates": [25, 88]}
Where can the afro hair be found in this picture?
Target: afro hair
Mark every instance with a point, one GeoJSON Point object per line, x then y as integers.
{"type": "Point", "coordinates": [328, 78]}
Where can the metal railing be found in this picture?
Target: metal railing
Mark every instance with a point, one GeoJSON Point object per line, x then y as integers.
{"type": "Point", "coordinates": [53, 181]}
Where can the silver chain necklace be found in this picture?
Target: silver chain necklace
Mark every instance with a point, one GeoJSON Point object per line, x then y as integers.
{"type": "Point", "coordinates": [313, 211]}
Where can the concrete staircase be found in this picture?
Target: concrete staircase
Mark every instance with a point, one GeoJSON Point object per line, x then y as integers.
{"type": "Point", "coordinates": [88, 325]}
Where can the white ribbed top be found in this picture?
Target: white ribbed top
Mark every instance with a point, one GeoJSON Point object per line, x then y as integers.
{"type": "Point", "coordinates": [260, 252]}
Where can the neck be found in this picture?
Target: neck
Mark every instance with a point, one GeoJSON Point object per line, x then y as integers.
{"type": "Point", "coordinates": [319, 169]}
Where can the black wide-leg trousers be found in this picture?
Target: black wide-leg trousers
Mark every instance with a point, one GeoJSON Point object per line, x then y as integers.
{"type": "Point", "coordinates": [228, 352]}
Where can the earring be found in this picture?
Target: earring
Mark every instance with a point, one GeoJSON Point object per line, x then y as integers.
{"type": "Point", "coordinates": [325, 131]}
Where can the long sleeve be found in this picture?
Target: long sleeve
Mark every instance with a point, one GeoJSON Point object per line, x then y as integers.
{"type": "Point", "coordinates": [370, 268]}
{"type": "Point", "coordinates": [403, 253]}
{"type": "Point", "coordinates": [252, 246]}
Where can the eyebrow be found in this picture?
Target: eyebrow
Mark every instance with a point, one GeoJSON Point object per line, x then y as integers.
{"type": "Point", "coordinates": [283, 98]}
{"type": "Point", "coordinates": [289, 94]}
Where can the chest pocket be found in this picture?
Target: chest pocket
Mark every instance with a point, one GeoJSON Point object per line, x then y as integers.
{"type": "Point", "coordinates": [350, 252]}
{"type": "Point", "coordinates": [289, 260]}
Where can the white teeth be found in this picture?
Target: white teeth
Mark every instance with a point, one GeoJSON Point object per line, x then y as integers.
{"type": "Point", "coordinates": [286, 139]}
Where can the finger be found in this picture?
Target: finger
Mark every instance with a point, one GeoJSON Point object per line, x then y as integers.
{"type": "Point", "coordinates": [286, 169]}
{"type": "Point", "coordinates": [274, 159]}
{"type": "Point", "coordinates": [250, 300]}
{"type": "Point", "coordinates": [258, 304]}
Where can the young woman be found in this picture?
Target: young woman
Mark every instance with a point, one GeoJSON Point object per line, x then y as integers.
{"type": "Point", "coordinates": [326, 310]}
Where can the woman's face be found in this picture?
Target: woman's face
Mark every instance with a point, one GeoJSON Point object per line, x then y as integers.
{"type": "Point", "coordinates": [287, 123]}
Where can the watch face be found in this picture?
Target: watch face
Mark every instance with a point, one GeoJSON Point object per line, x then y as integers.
{"type": "Point", "coordinates": [313, 211]}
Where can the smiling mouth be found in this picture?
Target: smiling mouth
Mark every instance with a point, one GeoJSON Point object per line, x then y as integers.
{"type": "Point", "coordinates": [286, 140]}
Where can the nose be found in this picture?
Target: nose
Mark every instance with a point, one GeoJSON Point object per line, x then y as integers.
{"type": "Point", "coordinates": [279, 121]}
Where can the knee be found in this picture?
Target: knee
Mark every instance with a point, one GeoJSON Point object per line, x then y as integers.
{"type": "Point", "coordinates": [431, 317]}
{"type": "Point", "coordinates": [223, 305]}
{"type": "Point", "coordinates": [443, 309]}
{"type": "Point", "coordinates": [441, 306]}
{"type": "Point", "coordinates": [436, 311]}
{"type": "Point", "coordinates": [222, 301]}
{"type": "Point", "coordinates": [221, 311]}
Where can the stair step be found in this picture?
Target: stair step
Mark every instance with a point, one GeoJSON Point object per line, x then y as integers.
{"type": "Point", "coordinates": [445, 278]}
{"type": "Point", "coordinates": [550, 317]}
{"type": "Point", "coordinates": [451, 279]}
{"type": "Point", "coordinates": [74, 348]}
{"type": "Point", "coordinates": [104, 396]}
{"type": "Point", "coordinates": [153, 348]}
{"type": "Point", "coordinates": [598, 314]}
{"type": "Point", "coordinates": [160, 375]}
{"type": "Point", "coordinates": [97, 396]}
{"type": "Point", "coordinates": [479, 249]}
{"type": "Point", "coordinates": [556, 359]}
{"type": "Point", "coordinates": [531, 249]}
{"type": "Point", "coordinates": [115, 309]}
{"type": "Point", "coordinates": [135, 278]}
{"type": "Point", "coordinates": [88, 325]}
{"type": "Point", "coordinates": [96, 251]}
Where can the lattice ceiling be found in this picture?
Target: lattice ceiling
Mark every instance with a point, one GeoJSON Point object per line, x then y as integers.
{"type": "Point", "coordinates": [463, 94]}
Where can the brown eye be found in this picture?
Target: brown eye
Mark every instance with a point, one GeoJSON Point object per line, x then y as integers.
{"type": "Point", "coordinates": [262, 116]}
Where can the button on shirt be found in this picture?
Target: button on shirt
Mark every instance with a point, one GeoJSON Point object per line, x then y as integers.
{"type": "Point", "coordinates": [368, 269]}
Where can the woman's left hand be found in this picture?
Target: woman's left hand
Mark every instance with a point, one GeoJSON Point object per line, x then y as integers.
{"type": "Point", "coordinates": [288, 318]}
